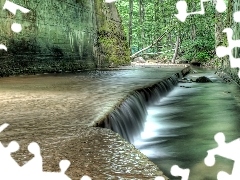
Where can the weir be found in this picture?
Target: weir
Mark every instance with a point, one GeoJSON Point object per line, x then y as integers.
{"type": "Point", "coordinates": [61, 113]}
{"type": "Point", "coordinates": [129, 117]}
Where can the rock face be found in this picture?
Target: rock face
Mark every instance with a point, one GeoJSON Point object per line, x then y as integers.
{"type": "Point", "coordinates": [61, 36]}
{"type": "Point", "coordinates": [203, 79]}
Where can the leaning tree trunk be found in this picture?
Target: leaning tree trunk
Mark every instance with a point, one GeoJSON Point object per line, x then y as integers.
{"type": "Point", "coordinates": [130, 23]}
{"type": "Point", "coordinates": [153, 43]}
{"type": "Point", "coordinates": [176, 50]}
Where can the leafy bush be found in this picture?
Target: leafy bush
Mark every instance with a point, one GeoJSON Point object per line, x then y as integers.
{"type": "Point", "coordinates": [200, 49]}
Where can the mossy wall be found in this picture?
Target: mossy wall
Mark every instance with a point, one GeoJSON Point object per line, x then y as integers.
{"type": "Point", "coordinates": [59, 35]}
{"type": "Point", "coordinates": [111, 41]}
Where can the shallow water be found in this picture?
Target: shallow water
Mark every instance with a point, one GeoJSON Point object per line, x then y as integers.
{"type": "Point", "coordinates": [58, 112]}
{"type": "Point", "coordinates": [180, 127]}
{"type": "Point", "coordinates": [84, 97]}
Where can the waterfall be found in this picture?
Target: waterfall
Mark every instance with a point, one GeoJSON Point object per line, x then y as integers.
{"type": "Point", "coordinates": [129, 117]}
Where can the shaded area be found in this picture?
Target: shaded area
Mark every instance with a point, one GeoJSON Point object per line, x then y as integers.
{"type": "Point", "coordinates": [59, 36]}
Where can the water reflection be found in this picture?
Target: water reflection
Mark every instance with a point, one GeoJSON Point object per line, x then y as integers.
{"type": "Point", "coordinates": [180, 128]}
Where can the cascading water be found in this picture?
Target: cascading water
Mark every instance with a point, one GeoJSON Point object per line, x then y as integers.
{"type": "Point", "coordinates": [128, 119]}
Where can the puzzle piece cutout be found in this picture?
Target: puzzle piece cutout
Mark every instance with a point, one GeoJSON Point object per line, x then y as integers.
{"type": "Point", "coordinates": [16, 27]}
{"type": "Point", "coordinates": [2, 46]}
{"type": "Point", "coordinates": [228, 150]}
{"type": "Point", "coordinates": [236, 16]}
{"type": "Point", "coordinates": [110, 1]}
{"type": "Point", "coordinates": [86, 178]}
{"type": "Point", "coordinates": [182, 9]}
{"type": "Point", "coordinates": [222, 51]}
{"type": "Point", "coordinates": [12, 7]}
{"type": "Point", "coordinates": [8, 163]}
{"type": "Point", "coordinates": [33, 169]}
{"type": "Point", "coordinates": [177, 171]}
{"type": "Point", "coordinates": [3, 126]}
{"type": "Point", "coordinates": [159, 178]}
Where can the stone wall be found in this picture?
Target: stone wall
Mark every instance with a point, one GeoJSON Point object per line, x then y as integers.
{"type": "Point", "coordinates": [111, 40]}
{"type": "Point", "coordinates": [60, 35]}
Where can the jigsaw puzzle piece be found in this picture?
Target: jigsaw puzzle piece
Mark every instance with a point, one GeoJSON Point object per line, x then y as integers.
{"type": "Point", "coordinates": [17, 28]}
{"type": "Point", "coordinates": [64, 165]}
{"type": "Point", "coordinates": [7, 163]}
{"type": "Point", "coordinates": [227, 150]}
{"type": "Point", "coordinates": [177, 171]}
{"type": "Point", "coordinates": [5, 125]}
{"type": "Point", "coordinates": [182, 9]}
{"type": "Point", "coordinates": [12, 7]}
{"type": "Point", "coordinates": [221, 6]}
{"type": "Point", "coordinates": [157, 178]}
{"type": "Point", "coordinates": [2, 46]}
{"type": "Point", "coordinates": [110, 1]}
{"type": "Point", "coordinates": [35, 164]}
{"type": "Point", "coordinates": [88, 178]}
{"type": "Point", "coordinates": [236, 16]}
{"type": "Point", "coordinates": [53, 175]}
{"type": "Point", "coordinates": [224, 51]}
{"type": "Point", "coordinates": [225, 176]}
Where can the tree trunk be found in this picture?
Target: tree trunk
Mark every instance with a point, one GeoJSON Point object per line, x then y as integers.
{"type": "Point", "coordinates": [153, 43]}
{"type": "Point", "coordinates": [130, 23]}
{"type": "Point", "coordinates": [141, 20]}
{"type": "Point", "coordinates": [176, 50]}
{"type": "Point", "coordinates": [156, 22]}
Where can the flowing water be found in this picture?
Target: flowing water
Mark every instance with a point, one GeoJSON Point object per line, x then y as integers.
{"type": "Point", "coordinates": [180, 128]}
{"type": "Point", "coordinates": [58, 111]}
{"type": "Point", "coordinates": [177, 128]}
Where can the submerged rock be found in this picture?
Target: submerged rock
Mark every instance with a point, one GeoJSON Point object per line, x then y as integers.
{"type": "Point", "coordinates": [203, 79]}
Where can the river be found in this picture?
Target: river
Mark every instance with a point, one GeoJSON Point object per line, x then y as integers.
{"type": "Point", "coordinates": [59, 111]}
{"type": "Point", "coordinates": [180, 128]}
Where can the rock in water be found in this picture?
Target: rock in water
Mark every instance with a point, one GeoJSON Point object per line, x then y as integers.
{"type": "Point", "coordinates": [203, 79]}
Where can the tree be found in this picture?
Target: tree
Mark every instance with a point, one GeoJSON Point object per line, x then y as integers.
{"type": "Point", "coordinates": [150, 20]}
{"type": "Point", "coordinates": [130, 22]}
{"type": "Point", "coordinates": [176, 50]}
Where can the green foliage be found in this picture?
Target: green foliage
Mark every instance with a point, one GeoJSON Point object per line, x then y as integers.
{"type": "Point", "coordinates": [201, 49]}
{"type": "Point", "coordinates": [197, 33]}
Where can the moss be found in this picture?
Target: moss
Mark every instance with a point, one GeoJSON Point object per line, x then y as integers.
{"type": "Point", "coordinates": [111, 39]}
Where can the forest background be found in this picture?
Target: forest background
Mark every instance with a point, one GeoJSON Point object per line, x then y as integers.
{"type": "Point", "coordinates": [195, 40]}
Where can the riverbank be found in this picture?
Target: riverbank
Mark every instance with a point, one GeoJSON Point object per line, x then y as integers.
{"type": "Point", "coordinates": [58, 111]}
